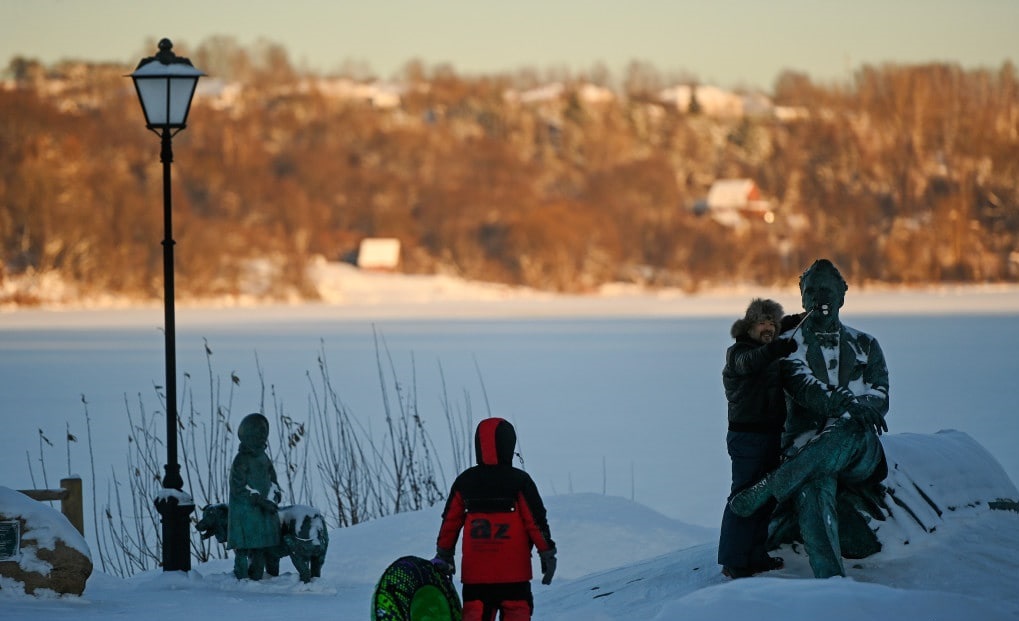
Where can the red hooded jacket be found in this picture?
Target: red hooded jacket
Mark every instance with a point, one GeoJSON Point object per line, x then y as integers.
{"type": "Point", "coordinates": [499, 509]}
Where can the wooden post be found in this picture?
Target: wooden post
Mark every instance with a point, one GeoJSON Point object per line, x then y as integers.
{"type": "Point", "coordinates": [70, 499]}
{"type": "Point", "coordinates": [72, 506]}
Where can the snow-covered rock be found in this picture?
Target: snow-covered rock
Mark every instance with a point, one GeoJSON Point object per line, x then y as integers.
{"type": "Point", "coordinates": [52, 555]}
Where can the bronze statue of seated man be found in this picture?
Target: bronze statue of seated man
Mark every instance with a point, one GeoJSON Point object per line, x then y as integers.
{"type": "Point", "coordinates": [836, 384]}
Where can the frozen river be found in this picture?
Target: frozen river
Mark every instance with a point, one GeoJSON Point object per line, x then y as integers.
{"type": "Point", "coordinates": [626, 403]}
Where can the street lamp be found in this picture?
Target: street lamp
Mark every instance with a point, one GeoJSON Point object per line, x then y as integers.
{"type": "Point", "coordinates": [165, 84]}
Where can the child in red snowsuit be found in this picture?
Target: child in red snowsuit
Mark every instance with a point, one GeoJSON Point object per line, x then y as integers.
{"type": "Point", "coordinates": [502, 516]}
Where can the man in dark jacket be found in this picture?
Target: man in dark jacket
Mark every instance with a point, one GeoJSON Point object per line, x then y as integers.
{"type": "Point", "coordinates": [503, 517]}
{"type": "Point", "coordinates": [757, 412]}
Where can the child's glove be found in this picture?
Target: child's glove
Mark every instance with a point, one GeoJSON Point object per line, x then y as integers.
{"type": "Point", "coordinates": [548, 563]}
{"type": "Point", "coordinates": [444, 562]}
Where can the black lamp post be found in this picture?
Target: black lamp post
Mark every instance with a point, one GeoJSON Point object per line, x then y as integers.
{"type": "Point", "coordinates": [165, 84]}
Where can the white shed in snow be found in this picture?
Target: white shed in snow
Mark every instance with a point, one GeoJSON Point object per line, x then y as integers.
{"type": "Point", "coordinates": [378, 253]}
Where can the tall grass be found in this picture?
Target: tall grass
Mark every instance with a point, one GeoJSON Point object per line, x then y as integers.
{"type": "Point", "coordinates": [353, 466]}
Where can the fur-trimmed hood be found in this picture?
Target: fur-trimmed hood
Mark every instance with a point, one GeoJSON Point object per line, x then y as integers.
{"type": "Point", "coordinates": [759, 309]}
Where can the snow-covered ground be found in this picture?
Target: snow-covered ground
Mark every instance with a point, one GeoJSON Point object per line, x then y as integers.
{"type": "Point", "coordinates": [633, 375]}
{"type": "Point", "coordinates": [619, 560]}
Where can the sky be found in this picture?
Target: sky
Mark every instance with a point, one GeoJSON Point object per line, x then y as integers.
{"type": "Point", "coordinates": [618, 560]}
{"type": "Point", "coordinates": [740, 43]}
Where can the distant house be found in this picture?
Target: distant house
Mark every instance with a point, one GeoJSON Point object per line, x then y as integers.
{"type": "Point", "coordinates": [714, 101]}
{"type": "Point", "coordinates": [381, 254]}
{"type": "Point", "coordinates": [735, 202]}
{"type": "Point", "coordinates": [594, 94]}
{"type": "Point", "coordinates": [219, 93]}
{"type": "Point", "coordinates": [557, 91]}
{"type": "Point", "coordinates": [382, 95]}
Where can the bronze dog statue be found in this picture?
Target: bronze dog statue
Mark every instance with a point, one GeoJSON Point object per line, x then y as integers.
{"type": "Point", "coordinates": [303, 537]}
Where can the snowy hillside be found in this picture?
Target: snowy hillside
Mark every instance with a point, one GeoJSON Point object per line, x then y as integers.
{"type": "Point", "coordinates": [622, 561]}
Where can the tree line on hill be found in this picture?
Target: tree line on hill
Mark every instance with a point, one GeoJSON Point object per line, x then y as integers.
{"type": "Point", "coordinates": [905, 175]}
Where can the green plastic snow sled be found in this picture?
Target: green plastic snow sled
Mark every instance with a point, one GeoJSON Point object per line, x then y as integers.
{"type": "Point", "coordinates": [412, 589]}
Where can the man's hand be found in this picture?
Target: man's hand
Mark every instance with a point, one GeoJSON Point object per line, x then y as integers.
{"type": "Point", "coordinates": [789, 322]}
{"type": "Point", "coordinates": [868, 417]}
{"type": "Point", "coordinates": [782, 347]}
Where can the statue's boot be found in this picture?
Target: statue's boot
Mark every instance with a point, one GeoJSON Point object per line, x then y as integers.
{"type": "Point", "coordinates": [824, 455]}
{"type": "Point", "coordinates": [256, 567]}
{"type": "Point", "coordinates": [241, 564]}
